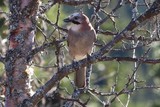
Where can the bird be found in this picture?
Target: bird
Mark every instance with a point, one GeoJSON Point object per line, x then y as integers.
{"type": "Point", "coordinates": [80, 40]}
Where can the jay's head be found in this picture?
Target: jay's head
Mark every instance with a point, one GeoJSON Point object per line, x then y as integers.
{"type": "Point", "coordinates": [77, 18]}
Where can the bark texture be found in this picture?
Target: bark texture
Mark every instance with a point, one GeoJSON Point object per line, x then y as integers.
{"type": "Point", "coordinates": [21, 38]}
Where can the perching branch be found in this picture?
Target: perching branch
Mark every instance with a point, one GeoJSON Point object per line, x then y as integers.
{"type": "Point", "coordinates": [67, 69]}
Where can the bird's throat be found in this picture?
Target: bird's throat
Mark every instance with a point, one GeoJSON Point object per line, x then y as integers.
{"type": "Point", "coordinates": [76, 28]}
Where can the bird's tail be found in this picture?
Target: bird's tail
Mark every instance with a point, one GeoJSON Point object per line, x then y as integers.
{"type": "Point", "coordinates": [80, 77]}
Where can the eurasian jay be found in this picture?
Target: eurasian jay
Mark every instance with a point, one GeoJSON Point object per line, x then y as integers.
{"type": "Point", "coordinates": [81, 38]}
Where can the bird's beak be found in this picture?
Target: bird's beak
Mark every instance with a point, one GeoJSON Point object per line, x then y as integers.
{"type": "Point", "coordinates": [67, 20]}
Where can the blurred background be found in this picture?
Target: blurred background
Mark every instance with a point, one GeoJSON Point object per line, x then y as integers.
{"type": "Point", "coordinates": [106, 75]}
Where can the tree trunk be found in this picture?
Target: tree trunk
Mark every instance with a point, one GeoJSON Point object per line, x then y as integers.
{"type": "Point", "coordinates": [22, 31]}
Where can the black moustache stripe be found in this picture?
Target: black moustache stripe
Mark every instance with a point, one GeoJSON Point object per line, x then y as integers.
{"type": "Point", "coordinates": [75, 22]}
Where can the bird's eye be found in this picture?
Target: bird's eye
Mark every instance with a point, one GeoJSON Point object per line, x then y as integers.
{"type": "Point", "coordinates": [76, 17]}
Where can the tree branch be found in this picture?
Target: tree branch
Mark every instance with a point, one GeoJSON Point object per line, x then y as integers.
{"type": "Point", "coordinates": [153, 11]}
{"type": "Point", "coordinates": [65, 70]}
{"type": "Point", "coordinates": [130, 59]}
{"type": "Point", "coordinates": [75, 3]}
{"type": "Point", "coordinates": [41, 48]}
{"type": "Point", "coordinates": [45, 7]}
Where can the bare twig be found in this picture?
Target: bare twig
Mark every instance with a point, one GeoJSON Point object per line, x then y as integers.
{"type": "Point", "coordinates": [67, 69]}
